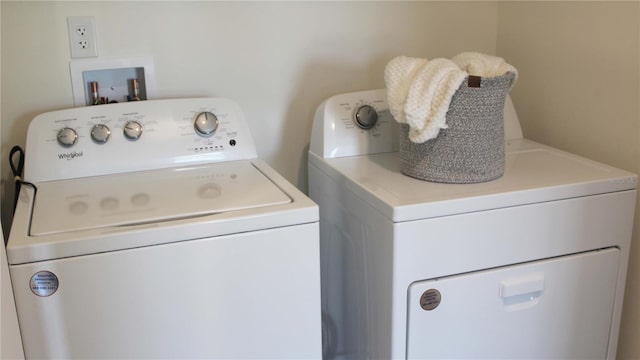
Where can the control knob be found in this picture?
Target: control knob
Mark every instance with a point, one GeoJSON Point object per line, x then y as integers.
{"type": "Point", "coordinates": [67, 137]}
{"type": "Point", "coordinates": [366, 117]}
{"type": "Point", "coordinates": [100, 133]}
{"type": "Point", "coordinates": [132, 130]}
{"type": "Point", "coordinates": [205, 124]}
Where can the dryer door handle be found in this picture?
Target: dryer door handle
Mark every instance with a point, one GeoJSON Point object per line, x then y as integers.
{"type": "Point", "coordinates": [527, 284]}
{"type": "Point", "coordinates": [522, 292]}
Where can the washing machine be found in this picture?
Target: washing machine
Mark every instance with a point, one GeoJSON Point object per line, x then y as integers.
{"type": "Point", "coordinates": [529, 266]}
{"type": "Point", "coordinates": [152, 230]}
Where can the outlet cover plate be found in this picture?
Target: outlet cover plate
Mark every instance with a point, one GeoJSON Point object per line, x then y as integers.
{"type": "Point", "coordinates": [82, 36]}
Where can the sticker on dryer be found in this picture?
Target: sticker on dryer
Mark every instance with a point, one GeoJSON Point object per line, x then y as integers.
{"type": "Point", "coordinates": [44, 283]}
{"type": "Point", "coordinates": [430, 299]}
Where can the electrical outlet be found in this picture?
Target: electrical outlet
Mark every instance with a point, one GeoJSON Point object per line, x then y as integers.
{"type": "Point", "coordinates": [82, 36]}
{"type": "Point", "coordinates": [81, 30]}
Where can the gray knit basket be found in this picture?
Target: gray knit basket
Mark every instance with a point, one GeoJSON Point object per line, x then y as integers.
{"type": "Point", "coordinates": [471, 149]}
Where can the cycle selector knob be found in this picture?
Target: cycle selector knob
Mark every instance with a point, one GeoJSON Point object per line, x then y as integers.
{"type": "Point", "coordinates": [132, 130]}
{"type": "Point", "coordinates": [100, 133]}
{"type": "Point", "coordinates": [366, 117]}
{"type": "Point", "coordinates": [205, 124]}
{"type": "Point", "coordinates": [67, 137]}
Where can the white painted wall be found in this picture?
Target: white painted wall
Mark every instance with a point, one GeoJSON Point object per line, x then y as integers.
{"type": "Point", "coordinates": [579, 90]}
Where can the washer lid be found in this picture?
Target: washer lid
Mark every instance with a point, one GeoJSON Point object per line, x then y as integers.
{"type": "Point", "coordinates": [533, 173]}
{"type": "Point", "coordinates": [150, 196]}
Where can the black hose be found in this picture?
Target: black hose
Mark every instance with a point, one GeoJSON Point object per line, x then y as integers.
{"type": "Point", "coordinates": [17, 172]}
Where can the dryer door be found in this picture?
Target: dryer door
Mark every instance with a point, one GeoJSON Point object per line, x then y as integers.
{"type": "Point", "coordinates": [558, 308]}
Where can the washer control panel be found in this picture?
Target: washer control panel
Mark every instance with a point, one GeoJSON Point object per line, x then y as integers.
{"type": "Point", "coordinates": [139, 135]}
{"type": "Point", "coordinates": [354, 124]}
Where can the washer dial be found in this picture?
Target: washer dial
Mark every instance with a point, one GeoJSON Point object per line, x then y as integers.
{"type": "Point", "coordinates": [67, 137]}
{"type": "Point", "coordinates": [100, 133]}
{"type": "Point", "coordinates": [205, 124]}
{"type": "Point", "coordinates": [366, 117]}
{"type": "Point", "coordinates": [132, 130]}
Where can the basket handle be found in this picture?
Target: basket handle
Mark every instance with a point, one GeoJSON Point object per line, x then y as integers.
{"type": "Point", "coordinates": [473, 81]}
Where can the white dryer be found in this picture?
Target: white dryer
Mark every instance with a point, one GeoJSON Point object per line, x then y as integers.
{"type": "Point", "coordinates": [531, 265]}
{"type": "Point", "coordinates": [153, 231]}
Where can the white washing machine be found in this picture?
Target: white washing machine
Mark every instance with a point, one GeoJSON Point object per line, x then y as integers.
{"type": "Point", "coordinates": [155, 232]}
{"type": "Point", "coordinates": [529, 266]}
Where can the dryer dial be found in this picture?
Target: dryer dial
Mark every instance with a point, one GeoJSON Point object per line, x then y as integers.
{"type": "Point", "coordinates": [205, 123]}
{"type": "Point", "coordinates": [132, 130]}
{"type": "Point", "coordinates": [366, 117]}
{"type": "Point", "coordinates": [100, 133]}
{"type": "Point", "coordinates": [67, 137]}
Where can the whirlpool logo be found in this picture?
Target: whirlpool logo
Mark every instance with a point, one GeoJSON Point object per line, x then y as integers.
{"type": "Point", "coordinates": [70, 155]}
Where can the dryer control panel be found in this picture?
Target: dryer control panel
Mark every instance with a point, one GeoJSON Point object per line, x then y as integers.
{"type": "Point", "coordinates": [360, 123]}
{"type": "Point", "coordinates": [354, 124]}
{"type": "Point", "coordinates": [133, 136]}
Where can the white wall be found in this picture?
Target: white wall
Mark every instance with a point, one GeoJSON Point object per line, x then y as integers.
{"type": "Point", "coordinates": [279, 60]}
{"type": "Point", "coordinates": [579, 90]}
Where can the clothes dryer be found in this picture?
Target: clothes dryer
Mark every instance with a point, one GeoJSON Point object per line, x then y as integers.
{"type": "Point", "coordinates": [531, 265]}
{"type": "Point", "coordinates": [152, 230]}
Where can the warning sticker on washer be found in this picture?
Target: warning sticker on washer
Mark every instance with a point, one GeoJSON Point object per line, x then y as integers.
{"type": "Point", "coordinates": [430, 299]}
{"type": "Point", "coordinates": [44, 283]}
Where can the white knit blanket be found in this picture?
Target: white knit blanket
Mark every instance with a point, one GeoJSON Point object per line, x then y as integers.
{"type": "Point", "coordinates": [419, 91]}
